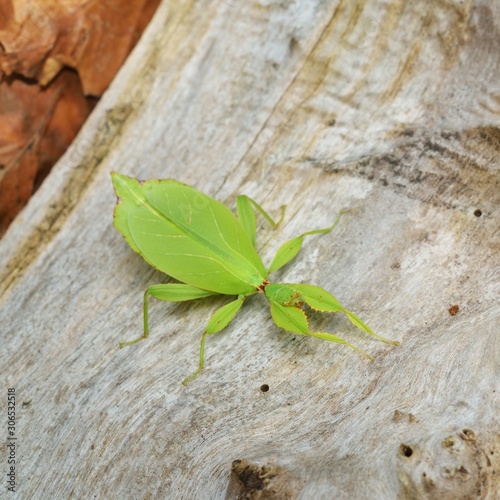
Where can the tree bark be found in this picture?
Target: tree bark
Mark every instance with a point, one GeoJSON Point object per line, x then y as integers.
{"type": "Point", "coordinates": [388, 109]}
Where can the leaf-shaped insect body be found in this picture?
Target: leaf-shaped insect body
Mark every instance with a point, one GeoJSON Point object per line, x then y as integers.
{"type": "Point", "coordinates": [187, 235]}
{"type": "Point", "coordinates": [203, 245]}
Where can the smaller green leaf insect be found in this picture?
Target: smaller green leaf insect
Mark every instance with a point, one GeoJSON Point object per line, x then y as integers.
{"type": "Point", "coordinates": [199, 242]}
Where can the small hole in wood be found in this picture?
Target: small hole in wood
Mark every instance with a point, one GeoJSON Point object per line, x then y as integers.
{"type": "Point", "coordinates": [264, 388]}
{"type": "Point", "coordinates": [405, 450]}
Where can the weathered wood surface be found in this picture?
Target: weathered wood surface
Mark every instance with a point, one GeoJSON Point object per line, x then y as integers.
{"type": "Point", "coordinates": [391, 109]}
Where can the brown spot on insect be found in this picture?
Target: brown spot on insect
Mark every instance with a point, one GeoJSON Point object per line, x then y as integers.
{"type": "Point", "coordinates": [294, 300]}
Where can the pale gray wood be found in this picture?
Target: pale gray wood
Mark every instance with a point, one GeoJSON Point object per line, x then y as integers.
{"type": "Point", "coordinates": [389, 109]}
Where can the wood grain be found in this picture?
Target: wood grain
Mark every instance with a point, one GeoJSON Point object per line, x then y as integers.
{"type": "Point", "coordinates": [386, 108]}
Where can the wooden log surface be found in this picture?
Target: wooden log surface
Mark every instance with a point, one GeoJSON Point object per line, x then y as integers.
{"type": "Point", "coordinates": [390, 109]}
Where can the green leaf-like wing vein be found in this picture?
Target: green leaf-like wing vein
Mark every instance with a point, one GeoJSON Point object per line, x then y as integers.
{"type": "Point", "coordinates": [188, 255]}
{"type": "Point", "coordinates": [238, 242]}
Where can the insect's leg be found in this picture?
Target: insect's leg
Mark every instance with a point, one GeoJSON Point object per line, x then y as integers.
{"type": "Point", "coordinates": [175, 292]}
{"type": "Point", "coordinates": [221, 318]}
{"type": "Point", "coordinates": [202, 361]}
{"type": "Point", "coordinates": [320, 300]}
{"type": "Point", "coordinates": [245, 207]}
{"type": "Point", "coordinates": [293, 319]}
{"type": "Point", "coordinates": [291, 248]}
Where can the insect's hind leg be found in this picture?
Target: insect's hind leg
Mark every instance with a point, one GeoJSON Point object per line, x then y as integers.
{"type": "Point", "coordinates": [146, 323]}
{"type": "Point", "coordinates": [171, 292]}
{"type": "Point", "coordinates": [245, 207]}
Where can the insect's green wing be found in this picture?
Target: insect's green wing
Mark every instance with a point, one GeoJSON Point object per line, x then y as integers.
{"type": "Point", "coordinates": [187, 235]}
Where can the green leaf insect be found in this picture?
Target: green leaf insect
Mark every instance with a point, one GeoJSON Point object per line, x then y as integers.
{"type": "Point", "coordinates": [199, 242]}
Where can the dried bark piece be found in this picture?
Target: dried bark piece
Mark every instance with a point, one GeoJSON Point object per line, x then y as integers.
{"type": "Point", "coordinates": [36, 127]}
{"type": "Point", "coordinates": [40, 37]}
{"type": "Point", "coordinates": [42, 102]}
